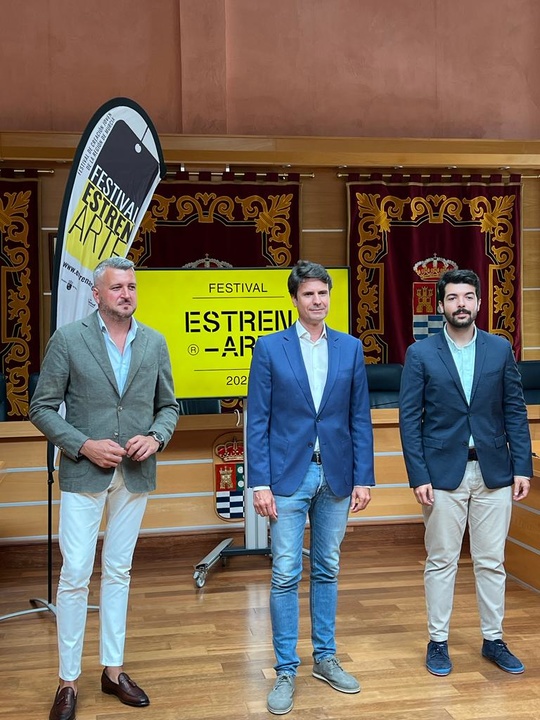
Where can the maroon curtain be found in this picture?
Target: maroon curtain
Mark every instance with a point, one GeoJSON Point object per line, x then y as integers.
{"type": "Point", "coordinates": [405, 231]}
{"type": "Point", "coordinates": [230, 223]}
{"type": "Point", "coordinates": [19, 288]}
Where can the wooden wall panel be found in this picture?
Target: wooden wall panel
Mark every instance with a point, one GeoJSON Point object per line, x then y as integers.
{"type": "Point", "coordinates": [324, 201]}
{"type": "Point", "coordinates": [531, 203]}
{"type": "Point", "coordinates": [531, 318]}
{"type": "Point", "coordinates": [523, 564]}
{"type": "Point", "coordinates": [390, 469]}
{"type": "Point", "coordinates": [23, 523]}
{"type": "Point", "coordinates": [327, 247]}
{"type": "Point", "coordinates": [525, 527]}
{"type": "Point", "coordinates": [531, 263]}
{"type": "Point", "coordinates": [27, 486]}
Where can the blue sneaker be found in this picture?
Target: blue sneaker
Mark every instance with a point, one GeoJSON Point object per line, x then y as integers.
{"type": "Point", "coordinates": [437, 659]}
{"type": "Point", "coordinates": [498, 652]}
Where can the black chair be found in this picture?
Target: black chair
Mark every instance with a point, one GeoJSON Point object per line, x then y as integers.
{"type": "Point", "coordinates": [199, 406]}
{"type": "Point", "coordinates": [383, 383]}
{"type": "Point", "coordinates": [3, 399]}
{"type": "Point", "coordinates": [32, 382]}
{"type": "Point", "coordinates": [530, 379]}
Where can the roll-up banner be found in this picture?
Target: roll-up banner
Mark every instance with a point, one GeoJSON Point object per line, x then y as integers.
{"type": "Point", "coordinates": [117, 166]}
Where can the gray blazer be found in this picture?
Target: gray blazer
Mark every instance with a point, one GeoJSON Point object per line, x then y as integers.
{"type": "Point", "coordinates": [76, 370]}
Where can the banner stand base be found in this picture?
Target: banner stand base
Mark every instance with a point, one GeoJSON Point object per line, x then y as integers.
{"type": "Point", "coordinates": [47, 606]}
{"type": "Point", "coordinates": [222, 552]}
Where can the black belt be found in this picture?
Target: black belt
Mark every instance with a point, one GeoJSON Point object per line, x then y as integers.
{"type": "Point", "coordinates": [316, 458]}
{"type": "Point", "coordinates": [472, 455]}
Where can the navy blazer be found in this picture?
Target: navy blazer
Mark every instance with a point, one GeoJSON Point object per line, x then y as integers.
{"type": "Point", "coordinates": [436, 420]}
{"type": "Point", "coordinates": [282, 423]}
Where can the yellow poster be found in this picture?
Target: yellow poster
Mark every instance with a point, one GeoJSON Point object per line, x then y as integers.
{"type": "Point", "coordinates": [213, 318]}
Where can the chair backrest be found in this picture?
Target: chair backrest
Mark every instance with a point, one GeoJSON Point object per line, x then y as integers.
{"type": "Point", "coordinates": [32, 382]}
{"type": "Point", "coordinates": [199, 406]}
{"type": "Point", "coordinates": [383, 383]}
{"type": "Point", "coordinates": [3, 399]}
{"type": "Point", "coordinates": [530, 379]}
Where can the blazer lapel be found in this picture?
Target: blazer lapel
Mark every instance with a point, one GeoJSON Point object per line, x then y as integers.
{"type": "Point", "coordinates": [334, 354]}
{"type": "Point", "coordinates": [291, 346]}
{"type": "Point", "coordinates": [138, 349]}
{"type": "Point", "coordinates": [479, 358]}
{"type": "Point", "coordinates": [448, 360]}
{"type": "Point", "coordinates": [93, 337]}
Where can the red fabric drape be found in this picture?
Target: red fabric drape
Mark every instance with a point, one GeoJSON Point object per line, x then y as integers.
{"type": "Point", "coordinates": [405, 231]}
{"type": "Point", "coordinates": [201, 223]}
{"type": "Point", "coordinates": [19, 289]}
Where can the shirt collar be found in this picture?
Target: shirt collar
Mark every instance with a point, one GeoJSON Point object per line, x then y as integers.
{"type": "Point", "coordinates": [132, 328]}
{"type": "Point", "coordinates": [303, 333]}
{"type": "Point", "coordinates": [459, 347]}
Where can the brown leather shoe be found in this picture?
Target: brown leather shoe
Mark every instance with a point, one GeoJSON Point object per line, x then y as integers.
{"type": "Point", "coordinates": [126, 690]}
{"type": "Point", "coordinates": [64, 705]}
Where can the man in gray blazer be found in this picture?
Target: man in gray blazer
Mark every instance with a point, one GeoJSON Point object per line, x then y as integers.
{"type": "Point", "coordinates": [466, 443]}
{"type": "Point", "coordinates": [114, 376]}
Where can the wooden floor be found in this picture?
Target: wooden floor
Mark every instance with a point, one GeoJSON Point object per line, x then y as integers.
{"type": "Point", "coordinates": [207, 654]}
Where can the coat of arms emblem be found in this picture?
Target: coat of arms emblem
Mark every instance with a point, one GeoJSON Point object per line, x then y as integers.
{"type": "Point", "coordinates": [229, 480]}
{"type": "Point", "coordinates": [426, 320]}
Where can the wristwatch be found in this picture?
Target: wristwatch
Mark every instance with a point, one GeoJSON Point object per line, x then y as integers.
{"type": "Point", "coordinates": [158, 437]}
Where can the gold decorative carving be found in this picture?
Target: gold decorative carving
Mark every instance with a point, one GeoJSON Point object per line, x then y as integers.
{"type": "Point", "coordinates": [15, 322]}
{"type": "Point", "coordinates": [377, 216]}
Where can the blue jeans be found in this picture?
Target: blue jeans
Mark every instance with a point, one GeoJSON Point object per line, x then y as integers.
{"type": "Point", "coordinates": [328, 517]}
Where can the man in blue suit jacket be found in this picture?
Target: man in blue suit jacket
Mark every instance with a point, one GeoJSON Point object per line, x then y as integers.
{"type": "Point", "coordinates": [466, 442]}
{"type": "Point", "coordinates": [310, 454]}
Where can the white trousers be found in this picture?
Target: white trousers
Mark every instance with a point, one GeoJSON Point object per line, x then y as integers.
{"type": "Point", "coordinates": [80, 519]}
{"type": "Point", "coordinates": [488, 514]}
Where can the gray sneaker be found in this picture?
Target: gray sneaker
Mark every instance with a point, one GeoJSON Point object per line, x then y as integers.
{"type": "Point", "coordinates": [280, 698]}
{"type": "Point", "coordinates": [331, 672]}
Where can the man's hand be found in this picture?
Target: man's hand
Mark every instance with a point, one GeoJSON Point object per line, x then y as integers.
{"type": "Point", "coordinates": [360, 498]}
{"type": "Point", "coordinates": [265, 504]}
{"type": "Point", "coordinates": [424, 494]}
{"type": "Point", "coordinates": [521, 487]}
{"type": "Point", "coordinates": [103, 453]}
{"type": "Point", "coordinates": [140, 447]}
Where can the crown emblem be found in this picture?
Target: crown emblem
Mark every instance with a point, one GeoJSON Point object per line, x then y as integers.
{"type": "Point", "coordinates": [231, 451]}
{"type": "Point", "coordinates": [205, 263]}
{"type": "Point", "coordinates": [432, 268]}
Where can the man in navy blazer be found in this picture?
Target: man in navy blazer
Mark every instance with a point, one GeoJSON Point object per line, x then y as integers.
{"type": "Point", "coordinates": [310, 454]}
{"type": "Point", "coordinates": [466, 443]}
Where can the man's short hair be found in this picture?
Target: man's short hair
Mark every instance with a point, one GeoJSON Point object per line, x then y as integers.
{"type": "Point", "coordinates": [116, 263]}
{"type": "Point", "coordinates": [457, 277]}
{"type": "Point", "coordinates": [307, 270]}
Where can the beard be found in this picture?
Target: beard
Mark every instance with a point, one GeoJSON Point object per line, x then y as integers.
{"type": "Point", "coordinates": [120, 312]}
{"type": "Point", "coordinates": [452, 319]}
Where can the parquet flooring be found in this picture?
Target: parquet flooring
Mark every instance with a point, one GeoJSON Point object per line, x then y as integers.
{"type": "Point", "coordinates": [206, 654]}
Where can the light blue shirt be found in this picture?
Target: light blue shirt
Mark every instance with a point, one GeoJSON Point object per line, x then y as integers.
{"type": "Point", "coordinates": [120, 361]}
{"type": "Point", "coordinates": [464, 357]}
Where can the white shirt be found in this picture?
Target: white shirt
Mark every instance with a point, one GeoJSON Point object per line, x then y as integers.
{"type": "Point", "coordinates": [315, 357]}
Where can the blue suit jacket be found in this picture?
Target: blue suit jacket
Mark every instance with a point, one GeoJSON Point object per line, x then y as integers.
{"type": "Point", "coordinates": [436, 420]}
{"type": "Point", "coordinates": [282, 423]}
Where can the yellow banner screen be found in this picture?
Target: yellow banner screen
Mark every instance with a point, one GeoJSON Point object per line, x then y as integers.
{"type": "Point", "coordinates": [213, 318]}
